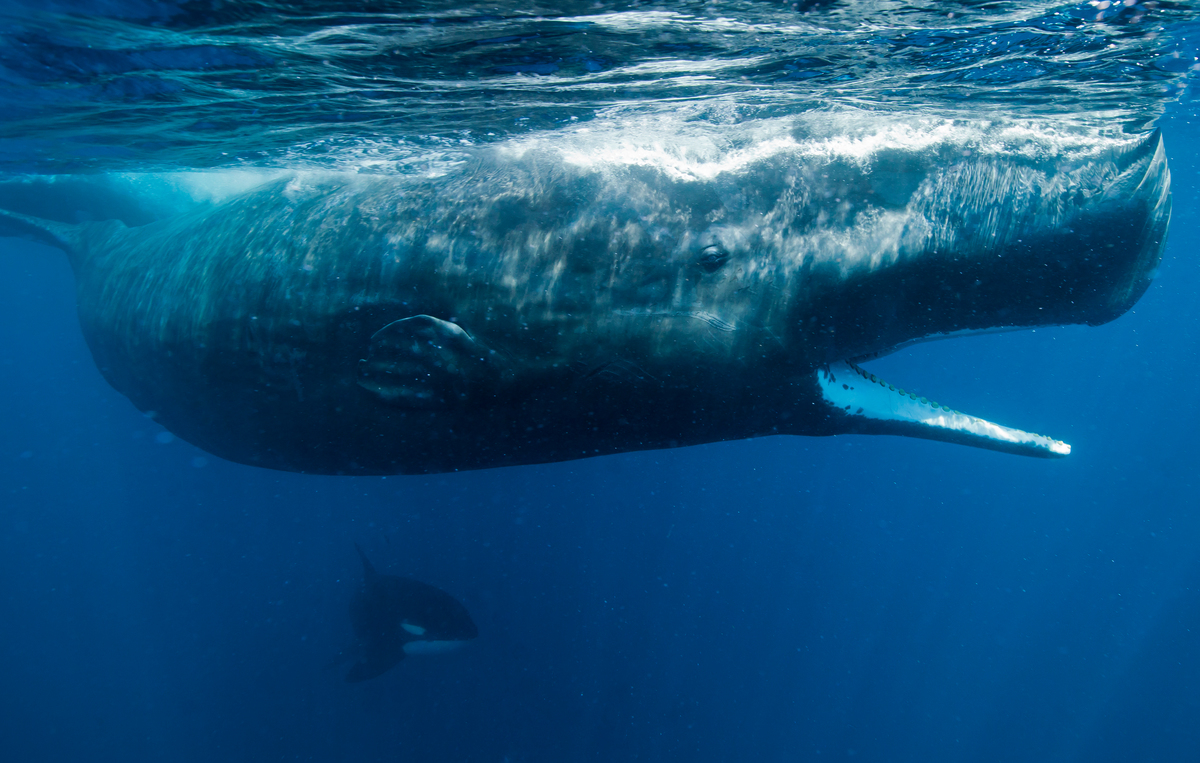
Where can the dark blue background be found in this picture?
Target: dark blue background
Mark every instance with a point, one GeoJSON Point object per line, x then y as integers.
{"type": "Point", "coordinates": [773, 600]}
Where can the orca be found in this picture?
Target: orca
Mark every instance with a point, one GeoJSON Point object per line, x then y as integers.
{"type": "Point", "coordinates": [394, 617]}
{"type": "Point", "coordinates": [545, 303]}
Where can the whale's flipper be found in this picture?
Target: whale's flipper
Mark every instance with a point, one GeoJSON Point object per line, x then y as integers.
{"type": "Point", "coordinates": [424, 362]}
{"type": "Point", "coordinates": [872, 406]}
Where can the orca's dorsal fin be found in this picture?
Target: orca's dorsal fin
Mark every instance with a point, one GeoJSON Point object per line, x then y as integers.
{"type": "Point", "coordinates": [368, 568]}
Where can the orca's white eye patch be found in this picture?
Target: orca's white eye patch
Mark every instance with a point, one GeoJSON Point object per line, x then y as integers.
{"type": "Point", "coordinates": [415, 630]}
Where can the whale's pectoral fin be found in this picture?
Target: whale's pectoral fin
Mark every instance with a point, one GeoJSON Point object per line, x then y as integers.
{"type": "Point", "coordinates": [616, 373]}
{"type": "Point", "coordinates": [424, 362]}
{"type": "Point", "coordinates": [866, 404]}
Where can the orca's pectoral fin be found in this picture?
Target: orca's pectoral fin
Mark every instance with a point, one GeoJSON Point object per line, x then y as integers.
{"type": "Point", "coordinates": [339, 659]}
{"type": "Point", "coordinates": [424, 362]}
{"type": "Point", "coordinates": [865, 404]}
{"type": "Point", "coordinates": [376, 666]}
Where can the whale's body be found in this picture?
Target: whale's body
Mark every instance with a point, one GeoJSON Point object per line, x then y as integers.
{"type": "Point", "coordinates": [539, 306]}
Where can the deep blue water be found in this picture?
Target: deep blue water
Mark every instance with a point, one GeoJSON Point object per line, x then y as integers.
{"type": "Point", "coordinates": [874, 599]}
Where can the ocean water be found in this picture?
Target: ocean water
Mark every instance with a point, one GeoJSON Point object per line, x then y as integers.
{"type": "Point", "coordinates": [776, 599]}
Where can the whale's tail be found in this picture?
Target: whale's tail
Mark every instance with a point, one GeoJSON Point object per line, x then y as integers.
{"type": "Point", "coordinates": [81, 213]}
{"type": "Point", "coordinates": [62, 235]}
{"type": "Point", "coordinates": [75, 240]}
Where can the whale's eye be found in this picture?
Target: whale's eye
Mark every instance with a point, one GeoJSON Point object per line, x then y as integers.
{"type": "Point", "coordinates": [712, 258]}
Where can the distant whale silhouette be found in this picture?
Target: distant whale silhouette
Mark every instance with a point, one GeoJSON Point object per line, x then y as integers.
{"type": "Point", "coordinates": [542, 305]}
{"type": "Point", "coordinates": [394, 617]}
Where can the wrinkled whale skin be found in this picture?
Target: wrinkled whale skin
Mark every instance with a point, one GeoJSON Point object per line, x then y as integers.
{"type": "Point", "coordinates": [529, 308]}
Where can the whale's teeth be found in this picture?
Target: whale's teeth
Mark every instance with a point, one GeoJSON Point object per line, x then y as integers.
{"type": "Point", "coordinates": [883, 408]}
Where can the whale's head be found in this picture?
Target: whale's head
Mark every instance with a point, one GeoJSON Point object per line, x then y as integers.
{"type": "Point", "coordinates": [902, 246]}
{"type": "Point", "coordinates": [986, 243]}
{"type": "Point", "coordinates": [835, 249]}
{"type": "Point", "coordinates": [808, 258]}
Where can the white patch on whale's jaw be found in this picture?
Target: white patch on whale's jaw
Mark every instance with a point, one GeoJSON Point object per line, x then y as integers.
{"type": "Point", "coordinates": [862, 395]}
{"type": "Point", "coordinates": [432, 647]}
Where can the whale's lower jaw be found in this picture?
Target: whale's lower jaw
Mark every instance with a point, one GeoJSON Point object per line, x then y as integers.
{"type": "Point", "coordinates": [869, 405]}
